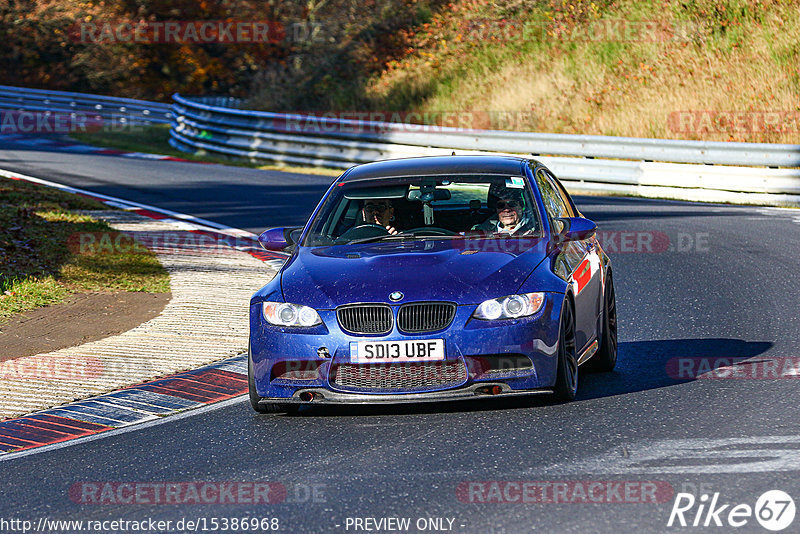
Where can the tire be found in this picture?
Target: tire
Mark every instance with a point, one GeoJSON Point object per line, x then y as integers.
{"type": "Point", "coordinates": [606, 358]}
{"type": "Point", "coordinates": [566, 386]}
{"type": "Point", "coordinates": [251, 387]}
{"type": "Point", "coordinates": [272, 407]}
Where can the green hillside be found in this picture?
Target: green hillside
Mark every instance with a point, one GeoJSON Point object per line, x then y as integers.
{"type": "Point", "coordinates": [721, 70]}
{"type": "Point", "coordinates": [693, 69]}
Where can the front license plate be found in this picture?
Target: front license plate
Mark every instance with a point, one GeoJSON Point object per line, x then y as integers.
{"type": "Point", "coordinates": [396, 351]}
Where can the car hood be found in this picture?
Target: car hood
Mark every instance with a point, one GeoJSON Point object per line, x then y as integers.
{"type": "Point", "coordinates": [462, 271]}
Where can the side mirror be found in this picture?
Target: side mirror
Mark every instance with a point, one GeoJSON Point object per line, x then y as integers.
{"type": "Point", "coordinates": [279, 238]}
{"type": "Point", "coordinates": [576, 228]}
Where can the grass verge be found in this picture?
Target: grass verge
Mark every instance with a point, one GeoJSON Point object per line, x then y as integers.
{"type": "Point", "coordinates": [155, 140]}
{"type": "Point", "coordinates": [37, 265]}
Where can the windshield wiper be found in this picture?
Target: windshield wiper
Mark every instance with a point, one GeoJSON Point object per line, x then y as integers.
{"type": "Point", "coordinates": [405, 235]}
{"type": "Point", "coordinates": [379, 238]}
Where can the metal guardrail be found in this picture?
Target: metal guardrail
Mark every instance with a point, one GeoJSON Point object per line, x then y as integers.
{"type": "Point", "coordinates": [695, 170]}
{"type": "Point", "coordinates": [716, 171]}
{"type": "Point", "coordinates": [229, 121]}
{"type": "Point", "coordinates": [96, 107]}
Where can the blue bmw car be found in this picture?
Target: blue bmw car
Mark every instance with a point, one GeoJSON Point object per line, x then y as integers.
{"type": "Point", "coordinates": [433, 278]}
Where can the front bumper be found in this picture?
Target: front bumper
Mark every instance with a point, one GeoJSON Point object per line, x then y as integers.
{"type": "Point", "coordinates": [472, 392]}
{"type": "Point", "coordinates": [467, 341]}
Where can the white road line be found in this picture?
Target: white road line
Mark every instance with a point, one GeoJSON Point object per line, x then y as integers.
{"type": "Point", "coordinates": [191, 412]}
{"type": "Point", "coordinates": [125, 204]}
{"type": "Point", "coordinates": [174, 220]}
{"type": "Point", "coordinates": [194, 274]}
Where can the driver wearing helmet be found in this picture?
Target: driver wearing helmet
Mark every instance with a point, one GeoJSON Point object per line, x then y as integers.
{"type": "Point", "coordinates": [511, 218]}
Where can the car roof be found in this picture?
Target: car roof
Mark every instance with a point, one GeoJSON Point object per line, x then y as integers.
{"type": "Point", "coordinates": [433, 165]}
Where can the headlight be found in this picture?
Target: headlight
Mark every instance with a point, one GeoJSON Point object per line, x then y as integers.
{"type": "Point", "coordinates": [285, 314]}
{"type": "Point", "coordinates": [509, 307]}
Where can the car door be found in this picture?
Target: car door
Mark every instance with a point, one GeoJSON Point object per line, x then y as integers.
{"type": "Point", "coordinates": [580, 260]}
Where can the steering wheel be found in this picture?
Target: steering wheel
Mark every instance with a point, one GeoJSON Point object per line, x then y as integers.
{"type": "Point", "coordinates": [430, 230]}
{"type": "Point", "coordinates": [363, 231]}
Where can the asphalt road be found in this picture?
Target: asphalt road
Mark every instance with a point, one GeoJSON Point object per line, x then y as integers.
{"type": "Point", "coordinates": [723, 285]}
{"type": "Point", "coordinates": [240, 197]}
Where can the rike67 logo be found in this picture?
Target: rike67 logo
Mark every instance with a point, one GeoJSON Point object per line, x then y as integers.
{"type": "Point", "coordinates": [774, 510]}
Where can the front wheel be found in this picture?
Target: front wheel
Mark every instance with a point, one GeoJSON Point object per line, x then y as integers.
{"type": "Point", "coordinates": [566, 386]}
{"type": "Point", "coordinates": [606, 358]}
{"type": "Point", "coordinates": [273, 407]}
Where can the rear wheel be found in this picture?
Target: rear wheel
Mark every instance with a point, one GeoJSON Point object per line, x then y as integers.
{"type": "Point", "coordinates": [606, 357]}
{"type": "Point", "coordinates": [255, 399]}
{"type": "Point", "coordinates": [566, 386]}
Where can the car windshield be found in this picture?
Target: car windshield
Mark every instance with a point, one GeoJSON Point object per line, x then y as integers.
{"type": "Point", "coordinates": [426, 207]}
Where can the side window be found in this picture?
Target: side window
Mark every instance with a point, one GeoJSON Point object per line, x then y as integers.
{"type": "Point", "coordinates": [553, 203]}
{"type": "Point", "coordinates": [564, 196]}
